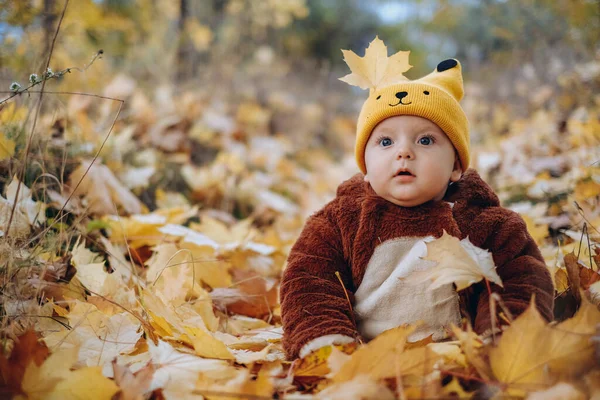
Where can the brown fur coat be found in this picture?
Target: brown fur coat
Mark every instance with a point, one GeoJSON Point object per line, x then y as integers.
{"type": "Point", "coordinates": [343, 235]}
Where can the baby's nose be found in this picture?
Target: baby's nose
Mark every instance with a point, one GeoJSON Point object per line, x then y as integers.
{"type": "Point", "coordinates": [405, 152]}
{"type": "Point", "coordinates": [401, 95]}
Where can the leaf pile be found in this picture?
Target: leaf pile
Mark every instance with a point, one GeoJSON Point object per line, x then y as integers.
{"type": "Point", "coordinates": [159, 277]}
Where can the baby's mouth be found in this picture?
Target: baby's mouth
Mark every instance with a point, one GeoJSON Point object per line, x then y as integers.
{"type": "Point", "coordinates": [404, 172]}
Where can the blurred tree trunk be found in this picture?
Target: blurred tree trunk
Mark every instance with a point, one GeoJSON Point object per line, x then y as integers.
{"type": "Point", "coordinates": [48, 23]}
{"type": "Point", "coordinates": [184, 48]}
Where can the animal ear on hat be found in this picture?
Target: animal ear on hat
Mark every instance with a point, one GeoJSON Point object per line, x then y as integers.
{"type": "Point", "coordinates": [448, 76]}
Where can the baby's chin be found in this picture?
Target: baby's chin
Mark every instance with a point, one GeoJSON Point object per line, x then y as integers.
{"type": "Point", "coordinates": [407, 202]}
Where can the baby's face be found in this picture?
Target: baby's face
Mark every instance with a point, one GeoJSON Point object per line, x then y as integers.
{"type": "Point", "coordinates": [410, 161]}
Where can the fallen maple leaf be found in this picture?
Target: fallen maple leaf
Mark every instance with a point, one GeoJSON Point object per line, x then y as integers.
{"type": "Point", "coordinates": [177, 371]}
{"type": "Point", "coordinates": [384, 357]}
{"type": "Point", "coordinates": [567, 349]}
{"type": "Point", "coordinates": [359, 388]}
{"type": "Point", "coordinates": [102, 189]}
{"type": "Point", "coordinates": [458, 262]}
{"type": "Point", "coordinates": [27, 350]}
{"type": "Point", "coordinates": [472, 347]}
{"type": "Point", "coordinates": [252, 295]}
{"type": "Point", "coordinates": [101, 337]}
{"type": "Point", "coordinates": [27, 212]}
{"type": "Point", "coordinates": [133, 386]}
{"type": "Point", "coordinates": [376, 70]}
{"type": "Point", "coordinates": [54, 379]}
{"type": "Point", "coordinates": [580, 275]}
{"type": "Point", "coordinates": [206, 345]}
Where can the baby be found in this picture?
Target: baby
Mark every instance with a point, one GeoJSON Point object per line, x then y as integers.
{"type": "Point", "coordinates": [412, 146]}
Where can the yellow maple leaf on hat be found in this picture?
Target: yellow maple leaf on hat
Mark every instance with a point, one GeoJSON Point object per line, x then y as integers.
{"type": "Point", "coordinates": [376, 70]}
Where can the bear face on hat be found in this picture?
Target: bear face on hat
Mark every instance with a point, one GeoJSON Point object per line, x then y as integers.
{"type": "Point", "coordinates": [435, 97]}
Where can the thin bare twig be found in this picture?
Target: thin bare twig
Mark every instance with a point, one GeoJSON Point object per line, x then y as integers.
{"type": "Point", "coordinates": [347, 297]}
{"type": "Point", "coordinates": [37, 113]}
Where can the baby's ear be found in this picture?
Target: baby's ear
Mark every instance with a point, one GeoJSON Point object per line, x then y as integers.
{"type": "Point", "coordinates": [457, 170]}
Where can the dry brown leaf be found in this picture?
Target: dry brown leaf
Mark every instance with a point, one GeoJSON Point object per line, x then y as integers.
{"type": "Point", "coordinates": [571, 265]}
{"type": "Point", "coordinates": [27, 350]}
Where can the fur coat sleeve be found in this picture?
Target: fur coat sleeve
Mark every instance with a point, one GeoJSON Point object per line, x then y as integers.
{"type": "Point", "coordinates": [313, 301]}
{"type": "Point", "coordinates": [518, 260]}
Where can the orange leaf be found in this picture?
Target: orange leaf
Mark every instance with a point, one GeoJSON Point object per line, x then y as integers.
{"type": "Point", "coordinates": [27, 349]}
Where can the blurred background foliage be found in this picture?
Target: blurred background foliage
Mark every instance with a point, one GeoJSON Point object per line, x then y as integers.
{"type": "Point", "coordinates": [284, 55]}
{"type": "Point", "coordinates": [166, 39]}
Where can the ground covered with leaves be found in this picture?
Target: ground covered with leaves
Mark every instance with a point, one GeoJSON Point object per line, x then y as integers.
{"type": "Point", "coordinates": [140, 256]}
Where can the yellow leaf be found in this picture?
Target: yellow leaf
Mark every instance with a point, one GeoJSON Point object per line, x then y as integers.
{"type": "Point", "coordinates": [537, 232]}
{"type": "Point", "coordinates": [376, 70]}
{"type": "Point", "coordinates": [139, 230]}
{"type": "Point", "coordinates": [206, 345]}
{"type": "Point", "coordinates": [472, 347]}
{"type": "Point", "coordinates": [568, 350]}
{"type": "Point", "coordinates": [314, 364]}
{"type": "Point", "coordinates": [12, 115]}
{"type": "Point", "coordinates": [55, 380]}
{"type": "Point", "coordinates": [263, 385]}
{"type": "Point", "coordinates": [561, 280]}
{"type": "Point", "coordinates": [586, 189]}
{"type": "Point", "coordinates": [7, 147]}
{"type": "Point", "coordinates": [101, 337]}
{"type": "Point", "coordinates": [84, 383]}
{"type": "Point", "coordinates": [384, 357]}
{"type": "Point", "coordinates": [458, 261]}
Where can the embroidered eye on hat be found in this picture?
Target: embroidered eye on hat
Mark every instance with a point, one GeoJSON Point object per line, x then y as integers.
{"type": "Point", "coordinates": [435, 96]}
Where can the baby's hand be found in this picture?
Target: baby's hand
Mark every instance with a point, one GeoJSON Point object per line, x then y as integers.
{"type": "Point", "coordinates": [490, 335]}
{"type": "Point", "coordinates": [348, 348]}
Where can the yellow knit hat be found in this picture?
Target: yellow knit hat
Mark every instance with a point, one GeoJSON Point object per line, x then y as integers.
{"type": "Point", "coordinates": [434, 97]}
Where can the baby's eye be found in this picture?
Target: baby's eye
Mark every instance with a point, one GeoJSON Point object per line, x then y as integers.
{"type": "Point", "coordinates": [426, 140]}
{"type": "Point", "coordinates": [385, 142]}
